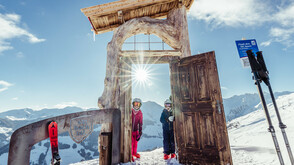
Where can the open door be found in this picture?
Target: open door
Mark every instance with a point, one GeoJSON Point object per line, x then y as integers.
{"type": "Point", "coordinates": [200, 126]}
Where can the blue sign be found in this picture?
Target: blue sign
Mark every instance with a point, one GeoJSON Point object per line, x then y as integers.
{"type": "Point", "coordinates": [244, 45]}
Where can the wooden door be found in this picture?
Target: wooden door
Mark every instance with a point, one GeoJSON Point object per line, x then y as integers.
{"type": "Point", "coordinates": [200, 126]}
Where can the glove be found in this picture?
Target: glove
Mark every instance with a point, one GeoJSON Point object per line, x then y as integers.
{"type": "Point", "coordinates": [138, 137]}
{"type": "Point", "coordinates": [171, 118]}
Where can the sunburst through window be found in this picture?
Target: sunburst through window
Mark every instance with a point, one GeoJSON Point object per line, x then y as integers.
{"type": "Point", "coordinates": [142, 75]}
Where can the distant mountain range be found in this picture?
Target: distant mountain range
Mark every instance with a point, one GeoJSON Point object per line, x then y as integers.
{"type": "Point", "coordinates": [71, 152]}
{"type": "Point", "coordinates": [240, 105]}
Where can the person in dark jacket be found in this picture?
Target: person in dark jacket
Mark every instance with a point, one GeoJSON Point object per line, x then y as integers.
{"type": "Point", "coordinates": [137, 123]}
{"type": "Point", "coordinates": [167, 119]}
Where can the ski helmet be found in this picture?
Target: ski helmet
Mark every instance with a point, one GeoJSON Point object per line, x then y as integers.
{"type": "Point", "coordinates": [167, 101]}
{"type": "Point", "coordinates": [137, 100]}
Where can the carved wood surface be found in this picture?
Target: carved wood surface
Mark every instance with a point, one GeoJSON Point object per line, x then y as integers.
{"type": "Point", "coordinates": [200, 126]}
{"type": "Point", "coordinates": [165, 29]}
{"type": "Point", "coordinates": [172, 31]}
{"type": "Point", "coordinates": [23, 139]}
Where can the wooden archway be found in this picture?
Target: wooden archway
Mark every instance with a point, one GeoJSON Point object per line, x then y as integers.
{"type": "Point", "coordinates": [194, 79]}
{"type": "Point", "coordinates": [172, 31]}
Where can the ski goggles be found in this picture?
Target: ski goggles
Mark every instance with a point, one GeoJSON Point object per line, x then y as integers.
{"type": "Point", "coordinates": [168, 105]}
{"type": "Point", "coordinates": [137, 104]}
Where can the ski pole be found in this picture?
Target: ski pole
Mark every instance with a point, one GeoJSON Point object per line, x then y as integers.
{"type": "Point", "coordinates": [271, 128]}
{"type": "Point", "coordinates": [255, 67]}
{"type": "Point", "coordinates": [281, 124]}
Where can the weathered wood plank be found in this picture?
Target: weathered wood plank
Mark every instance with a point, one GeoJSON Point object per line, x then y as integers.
{"type": "Point", "coordinates": [150, 53]}
{"type": "Point", "coordinates": [200, 126]}
{"type": "Point", "coordinates": [125, 104]}
{"type": "Point", "coordinates": [122, 5]}
{"type": "Point", "coordinates": [132, 9]}
{"type": "Point", "coordinates": [105, 148]}
{"type": "Point", "coordinates": [150, 60]}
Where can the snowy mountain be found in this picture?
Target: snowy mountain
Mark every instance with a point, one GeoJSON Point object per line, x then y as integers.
{"type": "Point", "coordinates": [248, 133]}
{"type": "Point", "coordinates": [69, 150]}
{"type": "Point", "coordinates": [251, 143]}
{"type": "Point", "coordinates": [240, 105]}
{"type": "Point", "coordinates": [14, 119]}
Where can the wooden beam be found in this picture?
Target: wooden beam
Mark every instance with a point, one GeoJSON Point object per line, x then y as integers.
{"type": "Point", "coordinates": [119, 5]}
{"type": "Point", "coordinates": [106, 29]}
{"type": "Point", "coordinates": [114, 26]}
{"type": "Point", "coordinates": [150, 60]}
{"type": "Point", "coordinates": [124, 10]}
{"type": "Point", "coordinates": [120, 16]}
{"type": "Point", "coordinates": [150, 53]}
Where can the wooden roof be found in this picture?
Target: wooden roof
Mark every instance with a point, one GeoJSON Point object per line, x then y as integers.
{"type": "Point", "coordinates": [109, 16]}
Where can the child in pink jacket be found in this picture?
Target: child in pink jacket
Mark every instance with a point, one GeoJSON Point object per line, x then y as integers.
{"type": "Point", "coordinates": [137, 122]}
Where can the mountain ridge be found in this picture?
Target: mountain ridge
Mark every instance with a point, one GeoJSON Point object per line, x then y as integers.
{"type": "Point", "coordinates": [235, 107]}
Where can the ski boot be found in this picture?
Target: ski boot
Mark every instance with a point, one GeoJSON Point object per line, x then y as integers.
{"type": "Point", "coordinates": [133, 160]}
{"type": "Point", "coordinates": [137, 155]}
{"type": "Point", "coordinates": [165, 156]}
{"type": "Point", "coordinates": [173, 155]}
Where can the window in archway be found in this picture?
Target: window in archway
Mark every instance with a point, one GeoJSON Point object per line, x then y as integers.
{"type": "Point", "coordinates": [145, 42]}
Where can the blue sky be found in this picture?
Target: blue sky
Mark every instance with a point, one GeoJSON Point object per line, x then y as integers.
{"type": "Point", "coordinates": [48, 57]}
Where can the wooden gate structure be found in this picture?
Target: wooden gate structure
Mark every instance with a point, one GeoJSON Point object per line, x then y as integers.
{"type": "Point", "coordinates": [200, 126]}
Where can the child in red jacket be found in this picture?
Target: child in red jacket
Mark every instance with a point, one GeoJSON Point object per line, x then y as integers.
{"type": "Point", "coordinates": [137, 122]}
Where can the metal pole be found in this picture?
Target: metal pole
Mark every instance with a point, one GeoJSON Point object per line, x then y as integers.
{"type": "Point", "coordinates": [271, 128]}
{"type": "Point", "coordinates": [134, 42]}
{"type": "Point", "coordinates": [281, 125]}
{"type": "Point", "coordinates": [149, 40]}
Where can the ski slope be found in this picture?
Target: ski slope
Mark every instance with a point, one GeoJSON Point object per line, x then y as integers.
{"type": "Point", "coordinates": [154, 157]}
{"type": "Point", "coordinates": [251, 143]}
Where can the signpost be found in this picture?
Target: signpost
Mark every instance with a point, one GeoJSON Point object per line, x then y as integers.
{"type": "Point", "coordinates": [251, 57]}
{"type": "Point", "coordinates": [243, 46]}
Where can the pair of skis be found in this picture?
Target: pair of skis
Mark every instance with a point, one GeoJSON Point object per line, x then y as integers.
{"type": "Point", "coordinates": [53, 136]}
{"type": "Point", "coordinates": [260, 74]}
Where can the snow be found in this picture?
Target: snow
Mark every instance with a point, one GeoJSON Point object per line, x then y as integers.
{"type": "Point", "coordinates": [27, 111]}
{"type": "Point", "coordinates": [5, 130]}
{"type": "Point", "coordinates": [251, 143]}
{"type": "Point", "coordinates": [148, 157]}
{"type": "Point", "coordinates": [68, 155]}
{"type": "Point", "coordinates": [90, 162]}
{"type": "Point", "coordinates": [15, 118]}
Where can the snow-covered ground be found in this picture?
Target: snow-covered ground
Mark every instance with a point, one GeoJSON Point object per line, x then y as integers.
{"type": "Point", "coordinates": [154, 157]}
{"type": "Point", "coordinates": [251, 143]}
{"type": "Point", "coordinates": [5, 131]}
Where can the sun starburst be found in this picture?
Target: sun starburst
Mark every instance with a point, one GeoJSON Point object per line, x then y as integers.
{"type": "Point", "coordinates": [141, 75]}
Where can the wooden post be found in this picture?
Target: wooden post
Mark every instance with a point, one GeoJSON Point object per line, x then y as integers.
{"type": "Point", "coordinates": [105, 148]}
{"type": "Point", "coordinates": [125, 106]}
